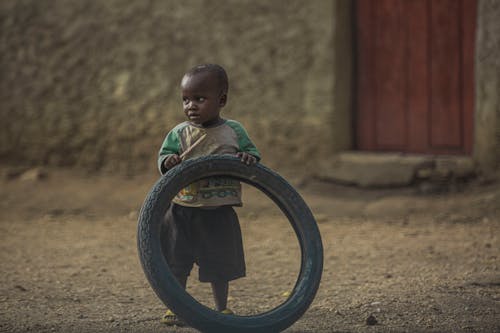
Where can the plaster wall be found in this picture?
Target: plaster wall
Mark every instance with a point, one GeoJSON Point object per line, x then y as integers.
{"type": "Point", "coordinates": [94, 84]}
{"type": "Point", "coordinates": [487, 115]}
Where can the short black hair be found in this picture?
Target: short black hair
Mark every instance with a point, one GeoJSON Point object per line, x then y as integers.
{"type": "Point", "coordinates": [218, 70]}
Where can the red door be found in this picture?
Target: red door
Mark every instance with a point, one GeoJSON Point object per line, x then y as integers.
{"type": "Point", "coordinates": [415, 82]}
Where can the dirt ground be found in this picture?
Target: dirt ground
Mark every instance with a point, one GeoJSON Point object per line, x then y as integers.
{"type": "Point", "coordinates": [415, 263]}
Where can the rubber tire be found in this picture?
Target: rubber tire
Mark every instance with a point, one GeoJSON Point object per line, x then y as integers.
{"type": "Point", "coordinates": [184, 305]}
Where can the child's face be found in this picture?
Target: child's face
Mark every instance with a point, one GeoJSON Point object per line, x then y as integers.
{"type": "Point", "coordinates": [202, 98]}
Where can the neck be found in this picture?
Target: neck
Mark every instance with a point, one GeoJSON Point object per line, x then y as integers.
{"type": "Point", "coordinates": [212, 122]}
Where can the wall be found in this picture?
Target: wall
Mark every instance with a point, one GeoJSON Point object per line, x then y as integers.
{"type": "Point", "coordinates": [487, 117]}
{"type": "Point", "coordinates": [94, 84]}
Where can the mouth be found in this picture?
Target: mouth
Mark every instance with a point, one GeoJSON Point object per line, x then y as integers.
{"type": "Point", "coordinates": [193, 116]}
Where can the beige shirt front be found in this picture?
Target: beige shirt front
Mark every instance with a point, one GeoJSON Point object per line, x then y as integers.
{"type": "Point", "coordinates": [228, 137]}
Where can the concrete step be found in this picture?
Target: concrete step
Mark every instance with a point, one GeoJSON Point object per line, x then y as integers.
{"type": "Point", "coordinates": [367, 169]}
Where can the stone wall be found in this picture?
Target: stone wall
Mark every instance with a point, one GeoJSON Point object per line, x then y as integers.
{"type": "Point", "coordinates": [94, 84]}
{"type": "Point", "coordinates": [487, 116]}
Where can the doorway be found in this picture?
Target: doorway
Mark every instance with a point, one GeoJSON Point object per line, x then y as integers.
{"type": "Point", "coordinates": [415, 81]}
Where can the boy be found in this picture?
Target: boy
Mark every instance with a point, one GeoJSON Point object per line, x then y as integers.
{"type": "Point", "coordinates": [201, 225]}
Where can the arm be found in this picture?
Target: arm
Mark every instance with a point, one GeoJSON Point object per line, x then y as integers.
{"type": "Point", "coordinates": [247, 150]}
{"type": "Point", "coordinates": [168, 156]}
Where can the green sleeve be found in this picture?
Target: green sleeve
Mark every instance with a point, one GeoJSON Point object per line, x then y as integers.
{"type": "Point", "coordinates": [171, 145]}
{"type": "Point", "coordinates": [246, 145]}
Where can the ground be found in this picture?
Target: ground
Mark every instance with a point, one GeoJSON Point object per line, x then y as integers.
{"type": "Point", "coordinates": [414, 262]}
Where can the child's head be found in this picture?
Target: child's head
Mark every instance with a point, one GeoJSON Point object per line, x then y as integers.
{"type": "Point", "coordinates": [204, 92]}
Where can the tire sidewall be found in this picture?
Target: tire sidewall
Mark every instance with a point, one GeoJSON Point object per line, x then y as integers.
{"type": "Point", "coordinates": [276, 188]}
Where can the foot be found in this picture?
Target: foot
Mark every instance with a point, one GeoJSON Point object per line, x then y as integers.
{"type": "Point", "coordinates": [227, 311]}
{"type": "Point", "coordinates": [170, 319]}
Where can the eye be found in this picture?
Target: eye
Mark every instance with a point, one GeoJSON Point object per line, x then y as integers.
{"type": "Point", "coordinates": [185, 100]}
{"type": "Point", "coordinates": [200, 99]}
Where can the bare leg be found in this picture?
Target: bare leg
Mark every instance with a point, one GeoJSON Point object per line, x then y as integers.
{"type": "Point", "coordinates": [220, 290]}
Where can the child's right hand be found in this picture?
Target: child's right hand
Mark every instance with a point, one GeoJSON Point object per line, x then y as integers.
{"type": "Point", "coordinates": [171, 161]}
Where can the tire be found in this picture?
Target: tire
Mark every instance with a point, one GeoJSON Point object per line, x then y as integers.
{"type": "Point", "coordinates": [184, 305]}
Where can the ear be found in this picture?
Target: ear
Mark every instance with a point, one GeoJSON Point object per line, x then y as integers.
{"type": "Point", "coordinates": [223, 100]}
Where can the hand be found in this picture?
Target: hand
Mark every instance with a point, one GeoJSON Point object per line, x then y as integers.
{"type": "Point", "coordinates": [171, 161]}
{"type": "Point", "coordinates": [247, 158]}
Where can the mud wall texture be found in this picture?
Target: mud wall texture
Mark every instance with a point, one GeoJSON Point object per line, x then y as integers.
{"type": "Point", "coordinates": [94, 84]}
{"type": "Point", "coordinates": [487, 116]}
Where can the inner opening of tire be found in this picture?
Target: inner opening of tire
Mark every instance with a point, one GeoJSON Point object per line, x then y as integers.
{"type": "Point", "coordinates": [271, 253]}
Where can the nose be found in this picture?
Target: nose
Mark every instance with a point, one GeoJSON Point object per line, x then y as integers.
{"type": "Point", "coordinates": [191, 105]}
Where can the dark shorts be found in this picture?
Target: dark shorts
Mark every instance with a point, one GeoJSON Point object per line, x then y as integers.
{"type": "Point", "coordinates": [211, 238]}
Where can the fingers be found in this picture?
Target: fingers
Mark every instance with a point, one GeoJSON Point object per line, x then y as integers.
{"type": "Point", "coordinates": [247, 158]}
{"type": "Point", "coordinates": [171, 161]}
{"type": "Point", "coordinates": [174, 159]}
{"type": "Point", "coordinates": [250, 160]}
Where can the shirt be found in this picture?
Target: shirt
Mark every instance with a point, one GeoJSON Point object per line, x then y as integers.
{"type": "Point", "coordinates": [227, 137]}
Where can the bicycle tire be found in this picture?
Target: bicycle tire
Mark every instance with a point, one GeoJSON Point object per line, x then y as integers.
{"type": "Point", "coordinates": [285, 197]}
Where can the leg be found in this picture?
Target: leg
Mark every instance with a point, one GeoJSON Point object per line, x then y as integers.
{"type": "Point", "coordinates": [220, 290]}
{"type": "Point", "coordinates": [176, 243]}
{"type": "Point", "coordinates": [169, 318]}
{"type": "Point", "coordinates": [220, 251]}
{"type": "Point", "coordinates": [176, 249]}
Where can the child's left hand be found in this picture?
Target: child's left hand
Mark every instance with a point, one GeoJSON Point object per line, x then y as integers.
{"type": "Point", "coordinates": [247, 158]}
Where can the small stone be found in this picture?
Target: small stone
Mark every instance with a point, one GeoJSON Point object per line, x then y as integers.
{"type": "Point", "coordinates": [21, 288]}
{"type": "Point", "coordinates": [12, 173]}
{"type": "Point", "coordinates": [253, 216]}
{"type": "Point", "coordinates": [133, 215]}
{"type": "Point", "coordinates": [34, 174]}
{"type": "Point", "coordinates": [436, 309]}
{"type": "Point", "coordinates": [424, 173]}
{"type": "Point", "coordinates": [321, 218]}
{"type": "Point", "coordinates": [428, 187]}
{"type": "Point", "coordinates": [371, 320]}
